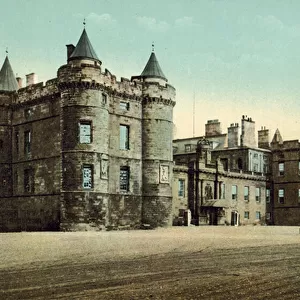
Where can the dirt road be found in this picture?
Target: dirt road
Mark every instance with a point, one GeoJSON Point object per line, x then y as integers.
{"type": "Point", "coordinates": [175, 263]}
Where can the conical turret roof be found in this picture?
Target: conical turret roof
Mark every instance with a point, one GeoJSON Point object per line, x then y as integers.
{"type": "Point", "coordinates": [277, 137]}
{"type": "Point", "coordinates": [84, 48]}
{"type": "Point", "coordinates": [153, 68]}
{"type": "Point", "coordinates": [8, 81]}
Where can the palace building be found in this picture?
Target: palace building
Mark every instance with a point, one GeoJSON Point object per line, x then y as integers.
{"type": "Point", "coordinates": [84, 151]}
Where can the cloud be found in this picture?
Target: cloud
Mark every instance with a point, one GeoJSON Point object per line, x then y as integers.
{"type": "Point", "coordinates": [184, 22]}
{"type": "Point", "coordinates": [271, 24]}
{"type": "Point", "coordinates": [152, 24]}
{"type": "Point", "coordinates": [103, 20]}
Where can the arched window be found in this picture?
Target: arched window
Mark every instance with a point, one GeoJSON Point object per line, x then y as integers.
{"type": "Point", "coordinates": [1, 144]}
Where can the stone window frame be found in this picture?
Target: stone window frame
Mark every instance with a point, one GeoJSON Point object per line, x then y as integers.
{"type": "Point", "coordinates": [246, 215]}
{"type": "Point", "coordinates": [246, 194]}
{"type": "Point", "coordinates": [28, 180]}
{"type": "Point", "coordinates": [104, 98]}
{"type": "Point", "coordinates": [281, 196]}
{"type": "Point", "coordinates": [188, 148]}
{"type": "Point", "coordinates": [17, 142]}
{"type": "Point", "coordinates": [181, 187]}
{"type": "Point", "coordinates": [124, 105]}
{"type": "Point", "coordinates": [281, 168]}
{"type": "Point", "coordinates": [268, 195]}
{"type": "Point", "coordinates": [84, 138]}
{"type": "Point", "coordinates": [124, 139]}
{"type": "Point", "coordinates": [27, 142]}
{"type": "Point", "coordinates": [257, 194]}
{"type": "Point", "coordinates": [124, 179]}
{"type": "Point", "coordinates": [87, 176]}
{"type": "Point", "coordinates": [234, 192]}
{"type": "Point", "coordinates": [222, 190]}
{"type": "Point", "coordinates": [257, 215]}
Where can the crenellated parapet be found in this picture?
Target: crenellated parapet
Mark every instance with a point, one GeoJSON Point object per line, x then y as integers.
{"type": "Point", "coordinates": [155, 90]}
{"type": "Point", "coordinates": [37, 91]}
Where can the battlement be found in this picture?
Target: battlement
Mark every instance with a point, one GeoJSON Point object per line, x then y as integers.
{"type": "Point", "coordinates": [38, 90]}
{"type": "Point", "coordinates": [286, 145]}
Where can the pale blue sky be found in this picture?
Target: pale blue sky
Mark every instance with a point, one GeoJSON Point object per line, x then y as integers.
{"type": "Point", "coordinates": [237, 57]}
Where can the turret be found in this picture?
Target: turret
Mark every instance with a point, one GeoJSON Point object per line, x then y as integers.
{"type": "Point", "coordinates": [84, 131]}
{"type": "Point", "coordinates": [8, 81]}
{"type": "Point", "coordinates": [8, 85]}
{"type": "Point", "coordinates": [158, 100]}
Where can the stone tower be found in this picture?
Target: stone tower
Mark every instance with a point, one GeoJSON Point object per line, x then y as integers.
{"type": "Point", "coordinates": [84, 138]}
{"type": "Point", "coordinates": [8, 87]}
{"type": "Point", "coordinates": [158, 100]}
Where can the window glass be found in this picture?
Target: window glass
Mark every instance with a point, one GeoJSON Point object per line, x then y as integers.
{"type": "Point", "coordinates": [85, 134]}
{"type": "Point", "coordinates": [124, 137]}
{"type": "Point", "coordinates": [124, 179]}
{"type": "Point", "coordinates": [181, 188]}
{"type": "Point", "coordinates": [87, 177]}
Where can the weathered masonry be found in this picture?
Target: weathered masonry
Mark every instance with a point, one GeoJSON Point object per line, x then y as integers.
{"type": "Point", "coordinates": [85, 151]}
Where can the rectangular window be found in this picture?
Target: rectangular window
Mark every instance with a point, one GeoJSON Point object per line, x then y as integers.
{"type": "Point", "coordinates": [17, 142]}
{"type": "Point", "coordinates": [268, 216]}
{"type": "Point", "coordinates": [234, 192]}
{"type": "Point", "coordinates": [181, 188]}
{"type": "Point", "coordinates": [188, 148]}
{"type": "Point", "coordinates": [124, 105]}
{"type": "Point", "coordinates": [281, 196]}
{"type": "Point", "coordinates": [268, 196]}
{"type": "Point", "coordinates": [87, 177]}
{"type": "Point", "coordinates": [257, 194]}
{"type": "Point", "coordinates": [255, 167]}
{"type": "Point", "coordinates": [246, 215]}
{"type": "Point", "coordinates": [124, 137]}
{"type": "Point", "coordinates": [124, 179]}
{"type": "Point", "coordinates": [246, 193]}
{"type": "Point", "coordinates": [281, 168]}
{"type": "Point", "coordinates": [104, 98]}
{"type": "Point", "coordinates": [257, 215]}
{"type": "Point", "coordinates": [27, 142]}
{"type": "Point", "coordinates": [299, 167]}
{"type": "Point", "coordinates": [298, 196]}
{"type": "Point", "coordinates": [27, 113]}
{"type": "Point", "coordinates": [85, 132]}
{"type": "Point", "coordinates": [222, 191]}
{"type": "Point", "coordinates": [28, 181]}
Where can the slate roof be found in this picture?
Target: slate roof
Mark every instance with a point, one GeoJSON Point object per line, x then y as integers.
{"type": "Point", "coordinates": [84, 48]}
{"type": "Point", "coordinates": [8, 81]}
{"type": "Point", "coordinates": [153, 69]}
{"type": "Point", "coordinates": [277, 137]}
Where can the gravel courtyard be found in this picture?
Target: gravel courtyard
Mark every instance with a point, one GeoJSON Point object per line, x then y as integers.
{"type": "Point", "coordinates": [208, 262]}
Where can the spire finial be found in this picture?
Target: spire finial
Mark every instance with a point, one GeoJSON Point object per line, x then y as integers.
{"type": "Point", "coordinates": [84, 22]}
{"type": "Point", "coordinates": [6, 51]}
{"type": "Point", "coordinates": [152, 46]}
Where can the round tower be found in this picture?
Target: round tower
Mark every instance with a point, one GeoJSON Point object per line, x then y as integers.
{"type": "Point", "coordinates": [85, 138]}
{"type": "Point", "coordinates": [158, 100]}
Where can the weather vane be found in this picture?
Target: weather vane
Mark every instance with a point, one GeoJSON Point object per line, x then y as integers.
{"type": "Point", "coordinates": [152, 46]}
{"type": "Point", "coordinates": [84, 22]}
{"type": "Point", "coordinates": [6, 51]}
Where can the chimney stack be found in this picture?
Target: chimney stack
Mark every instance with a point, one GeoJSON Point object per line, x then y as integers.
{"type": "Point", "coordinates": [70, 50]}
{"type": "Point", "coordinates": [19, 81]}
{"type": "Point", "coordinates": [31, 79]}
{"type": "Point", "coordinates": [263, 138]}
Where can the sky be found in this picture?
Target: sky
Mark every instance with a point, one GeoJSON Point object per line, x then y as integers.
{"type": "Point", "coordinates": [226, 58]}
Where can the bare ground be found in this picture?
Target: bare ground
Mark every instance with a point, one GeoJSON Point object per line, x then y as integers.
{"type": "Point", "coordinates": [175, 263]}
